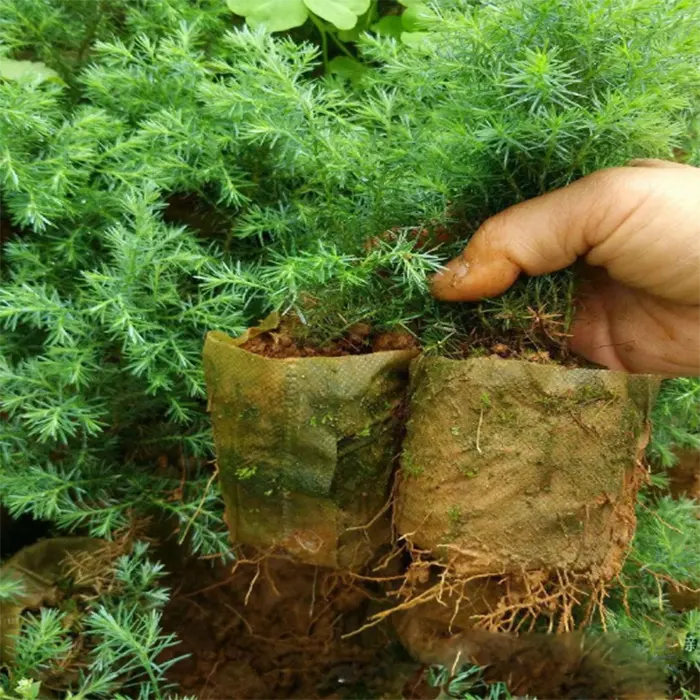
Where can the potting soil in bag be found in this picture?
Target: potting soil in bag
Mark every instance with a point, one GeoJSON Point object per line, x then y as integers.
{"type": "Point", "coordinates": [305, 447]}
{"type": "Point", "coordinates": [511, 466]}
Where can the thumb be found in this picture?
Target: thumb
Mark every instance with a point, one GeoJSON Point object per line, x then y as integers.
{"type": "Point", "coordinates": [541, 235]}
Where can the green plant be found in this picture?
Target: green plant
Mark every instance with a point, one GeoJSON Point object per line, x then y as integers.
{"type": "Point", "coordinates": [676, 420]}
{"type": "Point", "coordinates": [98, 646]}
{"type": "Point", "coordinates": [663, 555]}
{"type": "Point", "coordinates": [277, 15]}
{"type": "Point", "coordinates": [25, 689]}
{"type": "Point", "coordinates": [184, 176]}
{"type": "Point", "coordinates": [467, 684]}
{"type": "Point", "coordinates": [341, 21]}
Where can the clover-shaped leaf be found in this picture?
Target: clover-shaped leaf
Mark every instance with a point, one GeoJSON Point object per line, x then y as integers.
{"type": "Point", "coordinates": [342, 14]}
{"type": "Point", "coordinates": [279, 15]}
{"type": "Point", "coordinates": [276, 15]}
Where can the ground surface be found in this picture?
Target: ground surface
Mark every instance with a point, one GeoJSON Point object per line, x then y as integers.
{"type": "Point", "coordinates": [274, 631]}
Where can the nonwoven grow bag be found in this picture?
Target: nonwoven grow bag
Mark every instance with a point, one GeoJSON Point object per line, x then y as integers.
{"type": "Point", "coordinates": [305, 447]}
{"type": "Point", "coordinates": [511, 466]}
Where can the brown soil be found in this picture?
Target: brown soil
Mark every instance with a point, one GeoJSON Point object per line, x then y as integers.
{"type": "Point", "coordinates": [539, 665]}
{"type": "Point", "coordinates": [684, 477]}
{"type": "Point", "coordinates": [289, 340]}
{"type": "Point", "coordinates": [8, 230]}
{"type": "Point", "coordinates": [197, 214]}
{"type": "Point", "coordinates": [360, 339]}
{"type": "Point", "coordinates": [274, 630]}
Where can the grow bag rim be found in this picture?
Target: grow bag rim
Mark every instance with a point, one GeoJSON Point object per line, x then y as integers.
{"type": "Point", "coordinates": [424, 357]}
{"type": "Point", "coordinates": [419, 356]}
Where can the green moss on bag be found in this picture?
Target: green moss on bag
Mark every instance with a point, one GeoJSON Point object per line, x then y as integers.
{"type": "Point", "coordinates": [305, 447]}
{"type": "Point", "coordinates": [510, 466]}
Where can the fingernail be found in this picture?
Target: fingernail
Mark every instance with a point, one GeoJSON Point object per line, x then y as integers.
{"type": "Point", "coordinates": [453, 273]}
{"type": "Point", "coordinates": [460, 271]}
{"type": "Point", "coordinates": [451, 277]}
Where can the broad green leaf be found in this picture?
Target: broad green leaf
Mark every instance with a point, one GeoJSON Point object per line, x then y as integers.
{"type": "Point", "coordinates": [417, 17]}
{"type": "Point", "coordinates": [363, 25]}
{"type": "Point", "coordinates": [347, 68]}
{"type": "Point", "coordinates": [390, 25]}
{"type": "Point", "coordinates": [411, 3]}
{"type": "Point", "coordinates": [342, 14]}
{"type": "Point", "coordinates": [359, 7]}
{"type": "Point", "coordinates": [275, 15]}
{"type": "Point", "coordinates": [16, 70]}
{"type": "Point", "coordinates": [416, 40]}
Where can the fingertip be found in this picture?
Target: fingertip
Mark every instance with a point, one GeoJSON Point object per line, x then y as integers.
{"type": "Point", "coordinates": [451, 283]}
{"type": "Point", "coordinates": [465, 280]}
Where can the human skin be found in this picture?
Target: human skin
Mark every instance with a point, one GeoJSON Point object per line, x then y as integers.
{"type": "Point", "coordinates": [638, 230]}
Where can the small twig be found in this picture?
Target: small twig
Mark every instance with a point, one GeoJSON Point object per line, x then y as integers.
{"type": "Point", "coordinates": [478, 431]}
{"type": "Point", "coordinates": [211, 673]}
{"type": "Point", "coordinates": [456, 663]}
{"type": "Point", "coordinates": [383, 510]}
{"type": "Point", "coordinates": [313, 593]}
{"type": "Point", "coordinates": [378, 617]}
{"type": "Point", "coordinates": [201, 504]}
{"type": "Point", "coordinates": [206, 589]}
{"type": "Point", "coordinates": [241, 618]}
{"type": "Point", "coordinates": [268, 576]}
{"type": "Point", "coordinates": [252, 585]}
{"type": "Point", "coordinates": [660, 519]}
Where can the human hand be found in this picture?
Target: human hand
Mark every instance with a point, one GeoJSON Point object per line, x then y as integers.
{"type": "Point", "coordinates": [639, 230]}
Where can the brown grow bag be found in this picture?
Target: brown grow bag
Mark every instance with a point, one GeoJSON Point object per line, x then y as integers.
{"type": "Point", "coordinates": [511, 466]}
{"type": "Point", "coordinates": [305, 447]}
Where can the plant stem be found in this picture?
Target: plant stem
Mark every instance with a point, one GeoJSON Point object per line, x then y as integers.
{"type": "Point", "coordinates": [324, 38]}
{"type": "Point", "coordinates": [341, 45]}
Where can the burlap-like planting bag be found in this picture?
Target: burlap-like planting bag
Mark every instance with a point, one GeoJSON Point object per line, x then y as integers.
{"type": "Point", "coordinates": [511, 466]}
{"type": "Point", "coordinates": [305, 447]}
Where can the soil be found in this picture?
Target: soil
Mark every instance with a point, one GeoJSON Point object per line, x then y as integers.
{"type": "Point", "coordinates": [7, 230]}
{"type": "Point", "coordinates": [539, 665]}
{"type": "Point", "coordinates": [274, 630]}
{"type": "Point", "coordinates": [684, 477]}
{"type": "Point", "coordinates": [360, 339]}
{"type": "Point", "coordinates": [290, 340]}
{"type": "Point", "coordinates": [196, 213]}
{"type": "Point", "coordinates": [20, 531]}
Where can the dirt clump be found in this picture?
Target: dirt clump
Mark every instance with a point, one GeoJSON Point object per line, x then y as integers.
{"type": "Point", "coordinates": [568, 666]}
{"type": "Point", "coordinates": [684, 476]}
